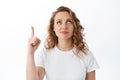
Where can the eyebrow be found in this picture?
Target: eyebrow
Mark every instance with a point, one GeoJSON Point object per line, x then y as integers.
{"type": "Point", "coordinates": [66, 19]}
{"type": "Point", "coordinates": [58, 20]}
{"type": "Point", "coordinates": [70, 19]}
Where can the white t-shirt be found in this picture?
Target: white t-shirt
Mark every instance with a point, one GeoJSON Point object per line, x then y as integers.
{"type": "Point", "coordinates": [64, 65]}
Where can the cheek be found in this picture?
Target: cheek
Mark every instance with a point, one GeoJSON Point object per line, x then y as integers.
{"type": "Point", "coordinates": [56, 31]}
{"type": "Point", "coordinates": [56, 28]}
{"type": "Point", "coordinates": [72, 29]}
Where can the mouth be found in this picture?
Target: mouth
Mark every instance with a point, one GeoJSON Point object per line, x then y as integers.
{"type": "Point", "coordinates": [64, 32]}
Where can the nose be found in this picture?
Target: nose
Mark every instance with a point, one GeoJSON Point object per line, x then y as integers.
{"type": "Point", "coordinates": [64, 25]}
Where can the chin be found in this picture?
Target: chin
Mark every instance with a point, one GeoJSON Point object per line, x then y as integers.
{"type": "Point", "coordinates": [65, 38]}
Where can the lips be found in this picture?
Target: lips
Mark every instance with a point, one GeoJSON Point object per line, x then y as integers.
{"type": "Point", "coordinates": [64, 32]}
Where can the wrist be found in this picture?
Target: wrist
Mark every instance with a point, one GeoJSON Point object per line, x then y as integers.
{"type": "Point", "coordinates": [31, 53]}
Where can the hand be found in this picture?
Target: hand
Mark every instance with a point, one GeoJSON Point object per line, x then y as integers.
{"type": "Point", "coordinates": [33, 42]}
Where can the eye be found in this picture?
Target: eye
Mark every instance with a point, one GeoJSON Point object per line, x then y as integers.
{"type": "Point", "coordinates": [59, 22]}
{"type": "Point", "coordinates": [69, 21]}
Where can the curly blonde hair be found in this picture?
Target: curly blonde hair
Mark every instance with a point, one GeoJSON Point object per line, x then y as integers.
{"type": "Point", "coordinates": [77, 38]}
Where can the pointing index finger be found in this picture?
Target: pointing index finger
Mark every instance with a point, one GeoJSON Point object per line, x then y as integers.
{"type": "Point", "coordinates": [32, 33]}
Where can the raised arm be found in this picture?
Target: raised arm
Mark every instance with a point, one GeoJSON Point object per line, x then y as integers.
{"type": "Point", "coordinates": [33, 72]}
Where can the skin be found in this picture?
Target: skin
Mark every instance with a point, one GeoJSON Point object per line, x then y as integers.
{"type": "Point", "coordinates": [33, 72]}
{"type": "Point", "coordinates": [63, 28]}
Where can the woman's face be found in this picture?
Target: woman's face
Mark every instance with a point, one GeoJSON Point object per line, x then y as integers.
{"type": "Point", "coordinates": [63, 25]}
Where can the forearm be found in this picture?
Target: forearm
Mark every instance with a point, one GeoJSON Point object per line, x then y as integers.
{"type": "Point", "coordinates": [31, 72]}
{"type": "Point", "coordinates": [90, 75]}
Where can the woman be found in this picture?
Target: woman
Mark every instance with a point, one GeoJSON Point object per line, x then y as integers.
{"type": "Point", "coordinates": [66, 56]}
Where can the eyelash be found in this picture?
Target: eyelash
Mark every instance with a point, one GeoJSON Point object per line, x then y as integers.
{"type": "Point", "coordinates": [69, 21]}
{"type": "Point", "coordinates": [60, 22]}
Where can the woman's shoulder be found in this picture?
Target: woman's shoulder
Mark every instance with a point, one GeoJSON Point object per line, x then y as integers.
{"type": "Point", "coordinates": [86, 54]}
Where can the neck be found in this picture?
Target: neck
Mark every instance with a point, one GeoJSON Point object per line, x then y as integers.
{"type": "Point", "coordinates": [65, 45]}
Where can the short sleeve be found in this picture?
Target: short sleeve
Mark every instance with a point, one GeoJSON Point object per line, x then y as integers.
{"type": "Point", "coordinates": [91, 63]}
{"type": "Point", "coordinates": [40, 58]}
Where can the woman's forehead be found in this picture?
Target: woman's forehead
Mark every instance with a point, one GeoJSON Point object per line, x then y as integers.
{"type": "Point", "coordinates": [62, 15]}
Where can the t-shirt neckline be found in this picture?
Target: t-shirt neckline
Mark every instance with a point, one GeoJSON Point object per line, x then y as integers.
{"type": "Point", "coordinates": [65, 52]}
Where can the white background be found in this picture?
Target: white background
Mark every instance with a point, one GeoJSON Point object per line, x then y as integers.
{"type": "Point", "coordinates": [100, 18]}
